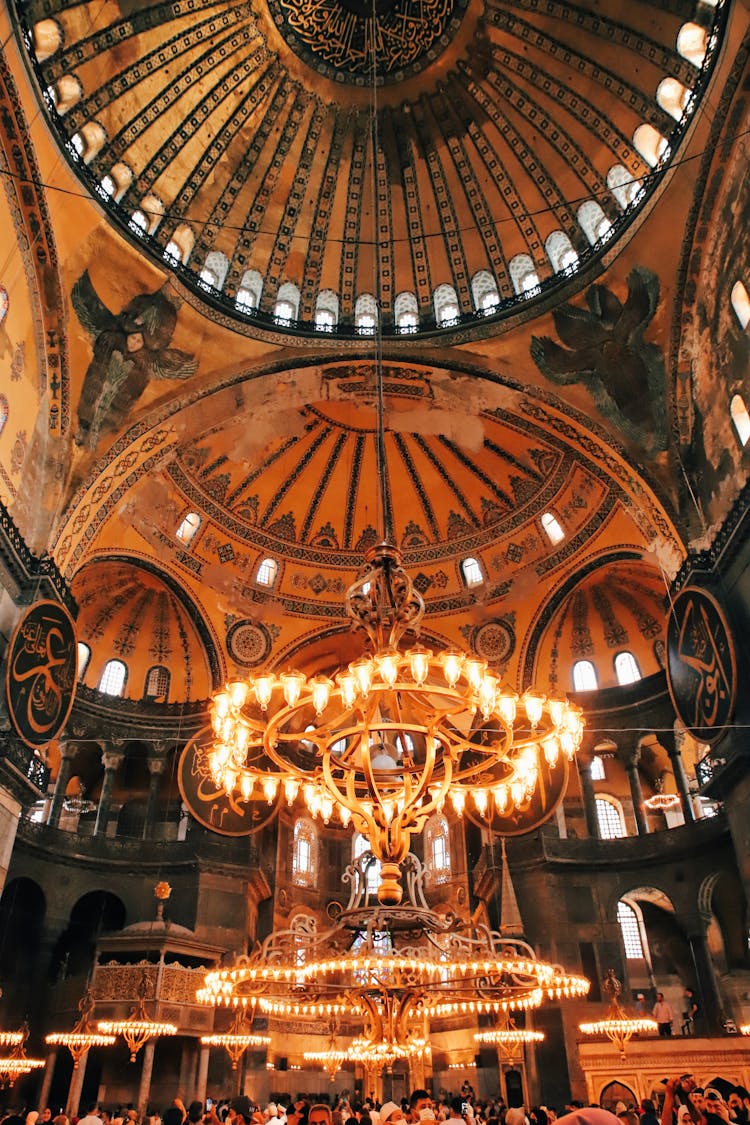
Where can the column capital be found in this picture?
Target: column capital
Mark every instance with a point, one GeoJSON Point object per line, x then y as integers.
{"type": "Point", "coordinates": [68, 749]}
{"type": "Point", "coordinates": [156, 766]}
{"type": "Point", "coordinates": [112, 759]}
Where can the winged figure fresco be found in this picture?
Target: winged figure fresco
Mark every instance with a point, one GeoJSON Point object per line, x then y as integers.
{"type": "Point", "coordinates": [602, 346]}
{"type": "Point", "coordinates": [130, 348]}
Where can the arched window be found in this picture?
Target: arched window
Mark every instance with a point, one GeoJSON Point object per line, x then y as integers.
{"type": "Point", "coordinates": [523, 275]}
{"type": "Point", "coordinates": [250, 290]}
{"type": "Point", "coordinates": [445, 303]}
{"type": "Point", "coordinates": [624, 186]}
{"type": "Point", "coordinates": [673, 97]}
{"type": "Point", "coordinates": [596, 769]}
{"type": "Point", "coordinates": [304, 853]}
{"type": "Point", "coordinates": [609, 818]}
{"type": "Point", "coordinates": [406, 312]}
{"type": "Point", "coordinates": [552, 527]}
{"type": "Point", "coordinates": [266, 573]}
{"type": "Point", "coordinates": [113, 678]}
{"type": "Point", "coordinates": [84, 655]}
{"type": "Point", "coordinates": [740, 419]}
{"type": "Point", "coordinates": [626, 668]}
{"type": "Point", "coordinates": [472, 572]}
{"type": "Point", "coordinates": [139, 222]}
{"type": "Point", "coordinates": [88, 141]}
{"type": "Point", "coordinates": [631, 931]}
{"type": "Point", "coordinates": [366, 314]}
{"type": "Point", "coordinates": [4, 303]}
{"type": "Point", "coordinates": [741, 303]}
{"type": "Point", "coordinates": [157, 683]}
{"type": "Point", "coordinates": [152, 209]}
{"type": "Point", "coordinates": [187, 530]}
{"type": "Point", "coordinates": [437, 848]}
{"type": "Point", "coordinates": [561, 253]}
{"type": "Point", "coordinates": [65, 93]}
{"type": "Point", "coordinates": [652, 146]}
{"type": "Point", "coordinates": [484, 291]}
{"type": "Point", "coordinates": [692, 43]}
{"type": "Point", "coordinates": [584, 676]}
{"type": "Point", "coordinates": [116, 182]}
{"type": "Point", "coordinates": [180, 245]}
{"type": "Point", "coordinates": [215, 269]}
{"type": "Point", "coordinates": [362, 845]}
{"type": "Point", "coordinates": [47, 38]}
{"type": "Point", "coordinates": [326, 310]}
{"type": "Point", "coordinates": [594, 223]}
{"type": "Point", "coordinates": [287, 302]}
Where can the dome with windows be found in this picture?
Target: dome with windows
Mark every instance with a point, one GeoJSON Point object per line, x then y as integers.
{"type": "Point", "coordinates": [137, 637]}
{"type": "Point", "coordinates": [608, 630]}
{"type": "Point", "coordinates": [486, 156]}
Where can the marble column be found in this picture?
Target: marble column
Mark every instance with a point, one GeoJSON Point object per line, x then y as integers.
{"type": "Point", "coordinates": [76, 1086]}
{"type": "Point", "coordinates": [156, 769]}
{"type": "Point", "coordinates": [680, 779]}
{"type": "Point", "coordinates": [49, 1071]}
{"type": "Point", "coordinates": [630, 759]}
{"type": "Point", "coordinates": [147, 1069]}
{"type": "Point", "coordinates": [111, 760]}
{"type": "Point", "coordinates": [202, 1080]}
{"type": "Point", "coordinates": [589, 798]}
{"type": "Point", "coordinates": [67, 753]}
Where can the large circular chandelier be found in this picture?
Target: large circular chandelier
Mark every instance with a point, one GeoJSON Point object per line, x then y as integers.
{"type": "Point", "coordinates": [384, 742]}
{"type": "Point", "coordinates": [389, 970]}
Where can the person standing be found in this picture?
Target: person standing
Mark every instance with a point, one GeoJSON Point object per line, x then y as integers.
{"type": "Point", "coordinates": [692, 1008]}
{"type": "Point", "coordinates": [664, 1016]}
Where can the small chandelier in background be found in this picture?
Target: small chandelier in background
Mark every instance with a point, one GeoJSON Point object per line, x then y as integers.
{"type": "Point", "coordinates": [83, 1036]}
{"type": "Point", "coordinates": [390, 737]}
{"type": "Point", "coordinates": [237, 1039]}
{"type": "Point", "coordinates": [660, 801]}
{"type": "Point", "coordinates": [508, 1039]}
{"type": "Point", "coordinates": [617, 1025]}
{"type": "Point", "coordinates": [17, 1063]}
{"type": "Point", "coordinates": [138, 1028]}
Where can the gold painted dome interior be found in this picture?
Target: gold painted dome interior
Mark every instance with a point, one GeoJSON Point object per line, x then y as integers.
{"type": "Point", "coordinates": [489, 153]}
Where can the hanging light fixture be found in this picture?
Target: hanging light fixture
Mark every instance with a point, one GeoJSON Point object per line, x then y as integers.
{"type": "Point", "coordinates": [507, 1038]}
{"type": "Point", "coordinates": [138, 1028]}
{"type": "Point", "coordinates": [83, 1036]}
{"type": "Point", "coordinates": [332, 1057]}
{"type": "Point", "coordinates": [617, 1025]}
{"type": "Point", "coordinates": [15, 1064]}
{"type": "Point", "coordinates": [237, 1039]}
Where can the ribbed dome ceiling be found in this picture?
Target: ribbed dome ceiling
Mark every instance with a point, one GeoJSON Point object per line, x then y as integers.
{"type": "Point", "coordinates": [251, 129]}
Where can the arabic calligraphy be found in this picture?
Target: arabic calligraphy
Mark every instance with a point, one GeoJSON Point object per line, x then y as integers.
{"type": "Point", "coordinates": [701, 667]}
{"type": "Point", "coordinates": [41, 673]}
{"type": "Point", "coordinates": [214, 808]}
{"type": "Point", "coordinates": [346, 37]}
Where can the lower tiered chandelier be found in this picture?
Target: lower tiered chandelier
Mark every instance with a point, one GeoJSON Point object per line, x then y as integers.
{"type": "Point", "coordinates": [508, 1039]}
{"type": "Point", "coordinates": [386, 971]}
{"type": "Point", "coordinates": [617, 1025]}
{"type": "Point", "coordinates": [391, 736]}
{"type": "Point", "coordinates": [83, 1036]}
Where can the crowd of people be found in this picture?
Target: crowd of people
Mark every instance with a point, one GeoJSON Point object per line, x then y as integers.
{"type": "Point", "coordinates": [683, 1103]}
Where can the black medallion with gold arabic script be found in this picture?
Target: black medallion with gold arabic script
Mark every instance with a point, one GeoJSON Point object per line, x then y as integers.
{"type": "Point", "coordinates": [212, 806]}
{"type": "Point", "coordinates": [701, 668]}
{"type": "Point", "coordinates": [354, 40]}
{"type": "Point", "coordinates": [40, 678]}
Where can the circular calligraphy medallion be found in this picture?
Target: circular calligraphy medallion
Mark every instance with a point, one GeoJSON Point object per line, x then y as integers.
{"type": "Point", "coordinates": [350, 40]}
{"type": "Point", "coordinates": [494, 641]}
{"type": "Point", "coordinates": [248, 643]}
{"type": "Point", "coordinates": [701, 670]}
{"type": "Point", "coordinates": [211, 807]}
{"type": "Point", "coordinates": [40, 676]}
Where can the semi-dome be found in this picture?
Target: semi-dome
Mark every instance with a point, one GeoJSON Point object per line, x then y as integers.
{"type": "Point", "coordinates": [296, 178]}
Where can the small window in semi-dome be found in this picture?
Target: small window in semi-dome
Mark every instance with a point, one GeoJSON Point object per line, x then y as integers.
{"type": "Point", "coordinates": [594, 223]}
{"type": "Point", "coordinates": [472, 572]}
{"type": "Point", "coordinates": [180, 245]}
{"type": "Point", "coordinates": [88, 141]}
{"type": "Point", "coordinates": [249, 292]}
{"type": "Point", "coordinates": [692, 43]}
{"type": "Point", "coordinates": [552, 527]}
{"type": "Point", "coordinates": [266, 573]}
{"type": "Point", "coordinates": [652, 146]}
{"type": "Point", "coordinates": [215, 269]}
{"type": "Point", "coordinates": [584, 676]}
{"type": "Point", "coordinates": [561, 252]}
{"type": "Point", "coordinates": [446, 304]}
{"type": "Point", "coordinates": [741, 303]}
{"type": "Point", "coordinates": [65, 93]}
{"type": "Point", "coordinates": [157, 683]}
{"type": "Point", "coordinates": [626, 668]}
{"type": "Point", "coordinates": [625, 187]}
{"type": "Point", "coordinates": [523, 274]}
{"type": "Point", "coordinates": [84, 656]}
{"type": "Point", "coordinates": [139, 222]}
{"type": "Point", "coordinates": [740, 419]}
{"type": "Point", "coordinates": [326, 310]}
{"type": "Point", "coordinates": [366, 314]}
{"type": "Point", "coordinates": [46, 39]}
{"type": "Point", "coordinates": [484, 291]}
{"type": "Point", "coordinates": [113, 678]}
{"type": "Point", "coordinates": [188, 528]}
{"type": "Point", "coordinates": [287, 302]}
{"type": "Point", "coordinates": [406, 312]}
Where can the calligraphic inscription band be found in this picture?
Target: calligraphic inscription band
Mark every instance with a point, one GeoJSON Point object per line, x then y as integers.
{"type": "Point", "coordinates": [40, 679]}
{"type": "Point", "coordinates": [213, 808]}
{"type": "Point", "coordinates": [701, 669]}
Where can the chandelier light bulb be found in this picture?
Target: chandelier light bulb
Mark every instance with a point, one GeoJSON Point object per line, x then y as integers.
{"type": "Point", "coordinates": [387, 664]}
{"type": "Point", "coordinates": [474, 671]}
{"type": "Point", "coordinates": [291, 789]}
{"type": "Point", "coordinates": [238, 692]}
{"type": "Point", "coordinates": [501, 797]}
{"type": "Point", "coordinates": [292, 684]}
{"type": "Point", "coordinates": [321, 688]}
{"type": "Point", "coordinates": [362, 671]}
{"type": "Point", "coordinates": [534, 704]}
{"type": "Point", "coordinates": [348, 688]}
{"type": "Point", "coordinates": [551, 748]}
{"type": "Point", "coordinates": [419, 663]}
{"type": "Point", "coordinates": [246, 786]}
{"type": "Point", "coordinates": [452, 662]}
{"type": "Point", "coordinates": [263, 690]}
